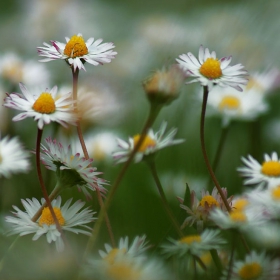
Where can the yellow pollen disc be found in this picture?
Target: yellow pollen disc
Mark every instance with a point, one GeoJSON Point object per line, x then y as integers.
{"type": "Point", "coordinates": [47, 218]}
{"type": "Point", "coordinates": [45, 104]}
{"type": "Point", "coordinates": [240, 204]}
{"type": "Point", "coordinates": [252, 83]}
{"type": "Point", "coordinates": [271, 168]}
{"type": "Point", "coordinates": [76, 47]}
{"type": "Point", "coordinates": [110, 258]}
{"type": "Point", "coordinates": [229, 102]}
{"type": "Point", "coordinates": [211, 68]}
{"type": "Point", "coordinates": [210, 200]}
{"type": "Point", "coordinates": [206, 258]}
{"type": "Point", "coordinates": [123, 271]}
{"type": "Point", "coordinates": [250, 271]}
{"type": "Point", "coordinates": [190, 239]}
{"type": "Point", "coordinates": [147, 143]}
{"type": "Point", "coordinates": [237, 216]}
{"type": "Point", "coordinates": [275, 192]}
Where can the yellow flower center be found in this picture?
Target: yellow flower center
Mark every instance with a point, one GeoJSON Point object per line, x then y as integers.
{"type": "Point", "coordinates": [229, 102]}
{"type": "Point", "coordinates": [13, 72]}
{"type": "Point", "coordinates": [209, 200]}
{"type": "Point", "coordinates": [76, 47]}
{"type": "Point", "coordinates": [271, 168]}
{"type": "Point", "coordinates": [110, 258]}
{"type": "Point", "coordinates": [190, 239]}
{"type": "Point", "coordinates": [47, 218]}
{"type": "Point", "coordinates": [238, 216]}
{"type": "Point", "coordinates": [250, 271]}
{"type": "Point", "coordinates": [253, 83]}
{"type": "Point", "coordinates": [147, 143]}
{"type": "Point", "coordinates": [123, 271]}
{"type": "Point", "coordinates": [211, 68]}
{"type": "Point", "coordinates": [240, 204]}
{"type": "Point", "coordinates": [45, 104]}
{"type": "Point", "coordinates": [275, 192]}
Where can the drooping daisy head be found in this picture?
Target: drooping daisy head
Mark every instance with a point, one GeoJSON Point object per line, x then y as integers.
{"type": "Point", "coordinates": [76, 51]}
{"type": "Point", "coordinates": [267, 173]}
{"type": "Point", "coordinates": [256, 266]}
{"type": "Point", "coordinates": [43, 106]}
{"type": "Point", "coordinates": [200, 209]}
{"type": "Point", "coordinates": [71, 218]}
{"type": "Point", "coordinates": [232, 104]}
{"type": "Point", "coordinates": [71, 169]}
{"type": "Point", "coordinates": [209, 71]}
{"type": "Point", "coordinates": [152, 143]}
{"type": "Point", "coordinates": [13, 157]}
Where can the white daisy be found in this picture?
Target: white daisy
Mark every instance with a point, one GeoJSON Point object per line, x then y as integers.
{"type": "Point", "coordinates": [13, 158]}
{"type": "Point", "coordinates": [209, 71]}
{"type": "Point", "coordinates": [266, 173]}
{"type": "Point", "coordinates": [69, 217]}
{"type": "Point", "coordinates": [256, 266]}
{"type": "Point", "coordinates": [44, 106]}
{"type": "Point", "coordinates": [71, 169]}
{"type": "Point", "coordinates": [151, 144]}
{"type": "Point", "coordinates": [232, 104]}
{"type": "Point", "coordinates": [194, 244]}
{"type": "Point", "coordinates": [76, 51]}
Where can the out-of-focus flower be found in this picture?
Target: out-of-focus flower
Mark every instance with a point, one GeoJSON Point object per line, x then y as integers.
{"type": "Point", "coordinates": [16, 70]}
{"type": "Point", "coordinates": [199, 210]}
{"type": "Point", "coordinates": [194, 244]}
{"type": "Point", "coordinates": [256, 266]}
{"type": "Point", "coordinates": [152, 143]}
{"type": "Point", "coordinates": [69, 217]}
{"type": "Point", "coordinates": [76, 51]}
{"type": "Point", "coordinates": [43, 106]}
{"type": "Point", "coordinates": [232, 104]}
{"type": "Point", "coordinates": [209, 71]}
{"type": "Point", "coordinates": [126, 263]}
{"type": "Point", "coordinates": [164, 85]}
{"type": "Point", "coordinates": [71, 169]}
{"type": "Point", "coordinates": [13, 158]}
{"type": "Point", "coordinates": [266, 173]}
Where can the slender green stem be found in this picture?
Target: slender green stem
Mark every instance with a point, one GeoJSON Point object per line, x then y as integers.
{"type": "Point", "coordinates": [202, 140]}
{"type": "Point", "coordinates": [152, 167]}
{"type": "Point", "coordinates": [154, 111]}
{"type": "Point", "coordinates": [75, 75]}
{"type": "Point", "coordinates": [8, 251]}
{"type": "Point", "coordinates": [216, 260]}
{"type": "Point", "coordinates": [233, 244]}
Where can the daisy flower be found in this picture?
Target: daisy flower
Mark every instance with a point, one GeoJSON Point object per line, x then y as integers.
{"type": "Point", "coordinates": [256, 266]}
{"type": "Point", "coordinates": [199, 210]}
{"type": "Point", "coordinates": [69, 217]}
{"type": "Point", "coordinates": [266, 173]}
{"type": "Point", "coordinates": [76, 51]}
{"type": "Point", "coordinates": [126, 263]}
{"type": "Point", "coordinates": [71, 169]}
{"type": "Point", "coordinates": [151, 144]}
{"type": "Point", "coordinates": [194, 244]}
{"type": "Point", "coordinates": [13, 158]}
{"type": "Point", "coordinates": [232, 104]}
{"type": "Point", "coordinates": [209, 71]}
{"type": "Point", "coordinates": [44, 106]}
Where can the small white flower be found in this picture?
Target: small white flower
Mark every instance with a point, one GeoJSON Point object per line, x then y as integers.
{"type": "Point", "coordinates": [256, 266]}
{"type": "Point", "coordinates": [72, 169]}
{"type": "Point", "coordinates": [209, 71]}
{"type": "Point", "coordinates": [266, 173]}
{"type": "Point", "coordinates": [13, 158]}
{"type": "Point", "coordinates": [44, 106]}
{"type": "Point", "coordinates": [76, 51]}
{"type": "Point", "coordinates": [151, 144]}
{"type": "Point", "coordinates": [69, 217]}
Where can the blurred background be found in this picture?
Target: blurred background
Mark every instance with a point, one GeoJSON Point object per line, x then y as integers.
{"type": "Point", "coordinates": [148, 35]}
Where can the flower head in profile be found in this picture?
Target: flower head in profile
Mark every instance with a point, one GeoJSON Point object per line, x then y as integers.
{"type": "Point", "coordinates": [71, 218]}
{"type": "Point", "coordinates": [13, 158]}
{"type": "Point", "coordinates": [76, 51]}
{"type": "Point", "coordinates": [152, 143]}
{"type": "Point", "coordinates": [43, 106]}
{"type": "Point", "coordinates": [267, 173]}
{"type": "Point", "coordinates": [209, 71]}
{"type": "Point", "coordinates": [256, 266]}
{"type": "Point", "coordinates": [71, 169]}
